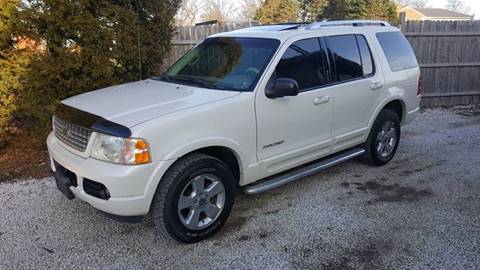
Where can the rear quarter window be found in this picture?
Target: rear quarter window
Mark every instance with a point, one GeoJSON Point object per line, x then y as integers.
{"type": "Point", "coordinates": [397, 49]}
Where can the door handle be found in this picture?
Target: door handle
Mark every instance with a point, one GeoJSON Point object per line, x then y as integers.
{"type": "Point", "coordinates": [376, 85]}
{"type": "Point", "coordinates": [321, 100]}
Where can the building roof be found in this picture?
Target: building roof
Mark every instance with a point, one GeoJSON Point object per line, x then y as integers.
{"type": "Point", "coordinates": [441, 13]}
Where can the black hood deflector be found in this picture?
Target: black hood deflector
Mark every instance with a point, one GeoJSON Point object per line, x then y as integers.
{"type": "Point", "coordinates": [91, 121]}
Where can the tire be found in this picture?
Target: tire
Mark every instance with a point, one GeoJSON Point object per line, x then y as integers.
{"type": "Point", "coordinates": [185, 207]}
{"type": "Point", "coordinates": [375, 155]}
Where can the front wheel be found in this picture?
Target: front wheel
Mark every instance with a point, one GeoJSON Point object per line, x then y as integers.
{"type": "Point", "coordinates": [194, 198]}
{"type": "Point", "coordinates": [382, 143]}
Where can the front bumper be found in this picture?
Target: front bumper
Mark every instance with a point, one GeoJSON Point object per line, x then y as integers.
{"type": "Point", "coordinates": [130, 188]}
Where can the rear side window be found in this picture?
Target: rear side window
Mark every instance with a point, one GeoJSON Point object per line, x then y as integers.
{"type": "Point", "coordinates": [398, 51]}
{"type": "Point", "coordinates": [304, 62]}
{"type": "Point", "coordinates": [346, 55]}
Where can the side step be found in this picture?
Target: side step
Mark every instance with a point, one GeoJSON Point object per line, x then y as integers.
{"type": "Point", "coordinates": [302, 171]}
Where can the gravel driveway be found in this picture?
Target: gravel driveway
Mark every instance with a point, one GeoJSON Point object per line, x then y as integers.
{"type": "Point", "coordinates": [421, 211]}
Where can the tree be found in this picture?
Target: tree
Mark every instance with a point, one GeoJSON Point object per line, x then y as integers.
{"type": "Point", "coordinates": [278, 11]}
{"type": "Point", "coordinates": [249, 9]}
{"type": "Point", "coordinates": [312, 10]}
{"type": "Point", "coordinates": [382, 10]}
{"type": "Point", "coordinates": [188, 13]}
{"type": "Point", "coordinates": [13, 63]}
{"type": "Point", "coordinates": [218, 10]}
{"type": "Point", "coordinates": [457, 6]}
{"type": "Point", "coordinates": [362, 9]}
{"type": "Point", "coordinates": [414, 3]}
{"type": "Point", "coordinates": [86, 45]}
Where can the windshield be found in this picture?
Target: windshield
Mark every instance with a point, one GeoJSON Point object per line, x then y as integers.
{"type": "Point", "coordinates": [225, 63]}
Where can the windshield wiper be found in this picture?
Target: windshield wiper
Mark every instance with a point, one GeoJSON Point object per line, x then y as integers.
{"type": "Point", "coordinates": [192, 80]}
{"type": "Point", "coordinates": [162, 78]}
{"type": "Point", "coordinates": [185, 79]}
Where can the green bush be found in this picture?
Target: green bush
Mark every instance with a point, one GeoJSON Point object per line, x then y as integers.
{"type": "Point", "coordinates": [54, 49]}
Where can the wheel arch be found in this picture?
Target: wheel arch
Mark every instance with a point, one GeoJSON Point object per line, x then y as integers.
{"type": "Point", "coordinates": [226, 150]}
{"type": "Point", "coordinates": [398, 106]}
{"type": "Point", "coordinates": [226, 155]}
{"type": "Point", "coordinates": [395, 103]}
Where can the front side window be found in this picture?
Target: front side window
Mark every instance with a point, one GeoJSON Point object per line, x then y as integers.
{"type": "Point", "coordinates": [303, 62]}
{"type": "Point", "coordinates": [225, 63]}
{"type": "Point", "coordinates": [346, 56]}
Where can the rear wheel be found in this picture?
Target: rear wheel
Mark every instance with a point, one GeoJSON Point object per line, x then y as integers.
{"type": "Point", "coordinates": [194, 198]}
{"type": "Point", "coordinates": [382, 143]}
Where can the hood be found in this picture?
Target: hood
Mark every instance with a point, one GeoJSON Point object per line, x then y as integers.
{"type": "Point", "coordinates": [133, 103]}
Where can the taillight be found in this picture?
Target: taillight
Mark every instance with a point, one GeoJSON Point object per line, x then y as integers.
{"type": "Point", "coordinates": [421, 88]}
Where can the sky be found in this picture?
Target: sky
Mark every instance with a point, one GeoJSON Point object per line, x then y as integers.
{"type": "Point", "coordinates": [473, 4]}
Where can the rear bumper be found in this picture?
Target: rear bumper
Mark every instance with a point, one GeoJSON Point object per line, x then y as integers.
{"type": "Point", "coordinates": [129, 187]}
{"type": "Point", "coordinates": [411, 115]}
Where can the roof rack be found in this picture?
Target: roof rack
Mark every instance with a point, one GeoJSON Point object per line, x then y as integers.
{"type": "Point", "coordinates": [355, 23]}
{"type": "Point", "coordinates": [279, 26]}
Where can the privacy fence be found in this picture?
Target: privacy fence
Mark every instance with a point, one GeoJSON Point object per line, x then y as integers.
{"type": "Point", "coordinates": [448, 53]}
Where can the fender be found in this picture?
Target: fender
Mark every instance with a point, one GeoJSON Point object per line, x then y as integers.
{"type": "Point", "coordinates": [183, 150]}
{"type": "Point", "coordinates": [205, 142]}
{"type": "Point", "coordinates": [395, 94]}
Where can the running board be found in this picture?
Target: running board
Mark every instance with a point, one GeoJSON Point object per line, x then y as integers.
{"type": "Point", "coordinates": [302, 171]}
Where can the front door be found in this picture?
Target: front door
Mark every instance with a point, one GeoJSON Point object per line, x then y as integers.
{"type": "Point", "coordinates": [295, 130]}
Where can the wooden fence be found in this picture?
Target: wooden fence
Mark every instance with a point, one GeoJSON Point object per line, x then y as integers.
{"type": "Point", "coordinates": [449, 56]}
{"type": "Point", "coordinates": [188, 36]}
{"type": "Point", "coordinates": [448, 53]}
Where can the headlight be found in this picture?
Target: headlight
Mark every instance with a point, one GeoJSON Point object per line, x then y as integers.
{"type": "Point", "coordinates": [120, 150]}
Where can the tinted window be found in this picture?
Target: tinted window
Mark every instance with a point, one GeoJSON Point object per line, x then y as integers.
{"type": "Point", "coordinates": [398, 51]}
{"type": "Point", "coordinates": [367, 60]}
{"type": "Point", "coordinates": [348, 63]}
{"type": "Point", "coordinates": [224, 63]}
{"type": "Point", "coordinates": [303, 61]}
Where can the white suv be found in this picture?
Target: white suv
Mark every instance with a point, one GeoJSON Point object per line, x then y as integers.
{"type": "Point", "coordinates": [255, 108]}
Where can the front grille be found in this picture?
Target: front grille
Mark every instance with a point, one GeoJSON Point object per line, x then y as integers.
{"type": "Point", "coordinates": [72, 135]}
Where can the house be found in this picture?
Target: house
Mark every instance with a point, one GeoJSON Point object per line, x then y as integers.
{"type": "Point", "coordinates": [434, 14]}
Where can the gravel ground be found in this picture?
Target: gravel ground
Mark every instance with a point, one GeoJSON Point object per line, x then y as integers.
{"type": "Point", "coordinates": [421, 211]}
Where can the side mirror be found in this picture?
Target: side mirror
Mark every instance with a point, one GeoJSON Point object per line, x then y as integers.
{"type": "Point", "coordinates": [281, 87]}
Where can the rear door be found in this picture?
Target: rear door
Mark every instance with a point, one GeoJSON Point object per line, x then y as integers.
{"type": "Point", "coordinates": [358, 85]}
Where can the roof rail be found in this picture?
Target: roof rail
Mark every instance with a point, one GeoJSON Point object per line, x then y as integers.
{"type": "Point", "coordinates": [317, 25]}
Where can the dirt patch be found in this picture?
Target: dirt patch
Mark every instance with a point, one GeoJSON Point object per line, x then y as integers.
{"type": "Point", "coordinates": [263, 235]}
{"type": "Point", "coordinates": [345, 184]}
{"type": "Point", "coordinates": [391, 193]}
{"type": "Point", "coordinates": [469, 111]}
{"type": "Point", "coordinates": [314, 254]}
{"type": "Point", "coordinates": [24, 156]}
{"type": "Point", "coordinates": [358, 258]}
{"type": "Point", "coordinates": [416, 168]}
{"type": "Point", "coordinates": [457, 125]}
{"type": "Point", "coordinates": [243, 238]}
{"type": "Point", "coordinates": [283, 206]}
